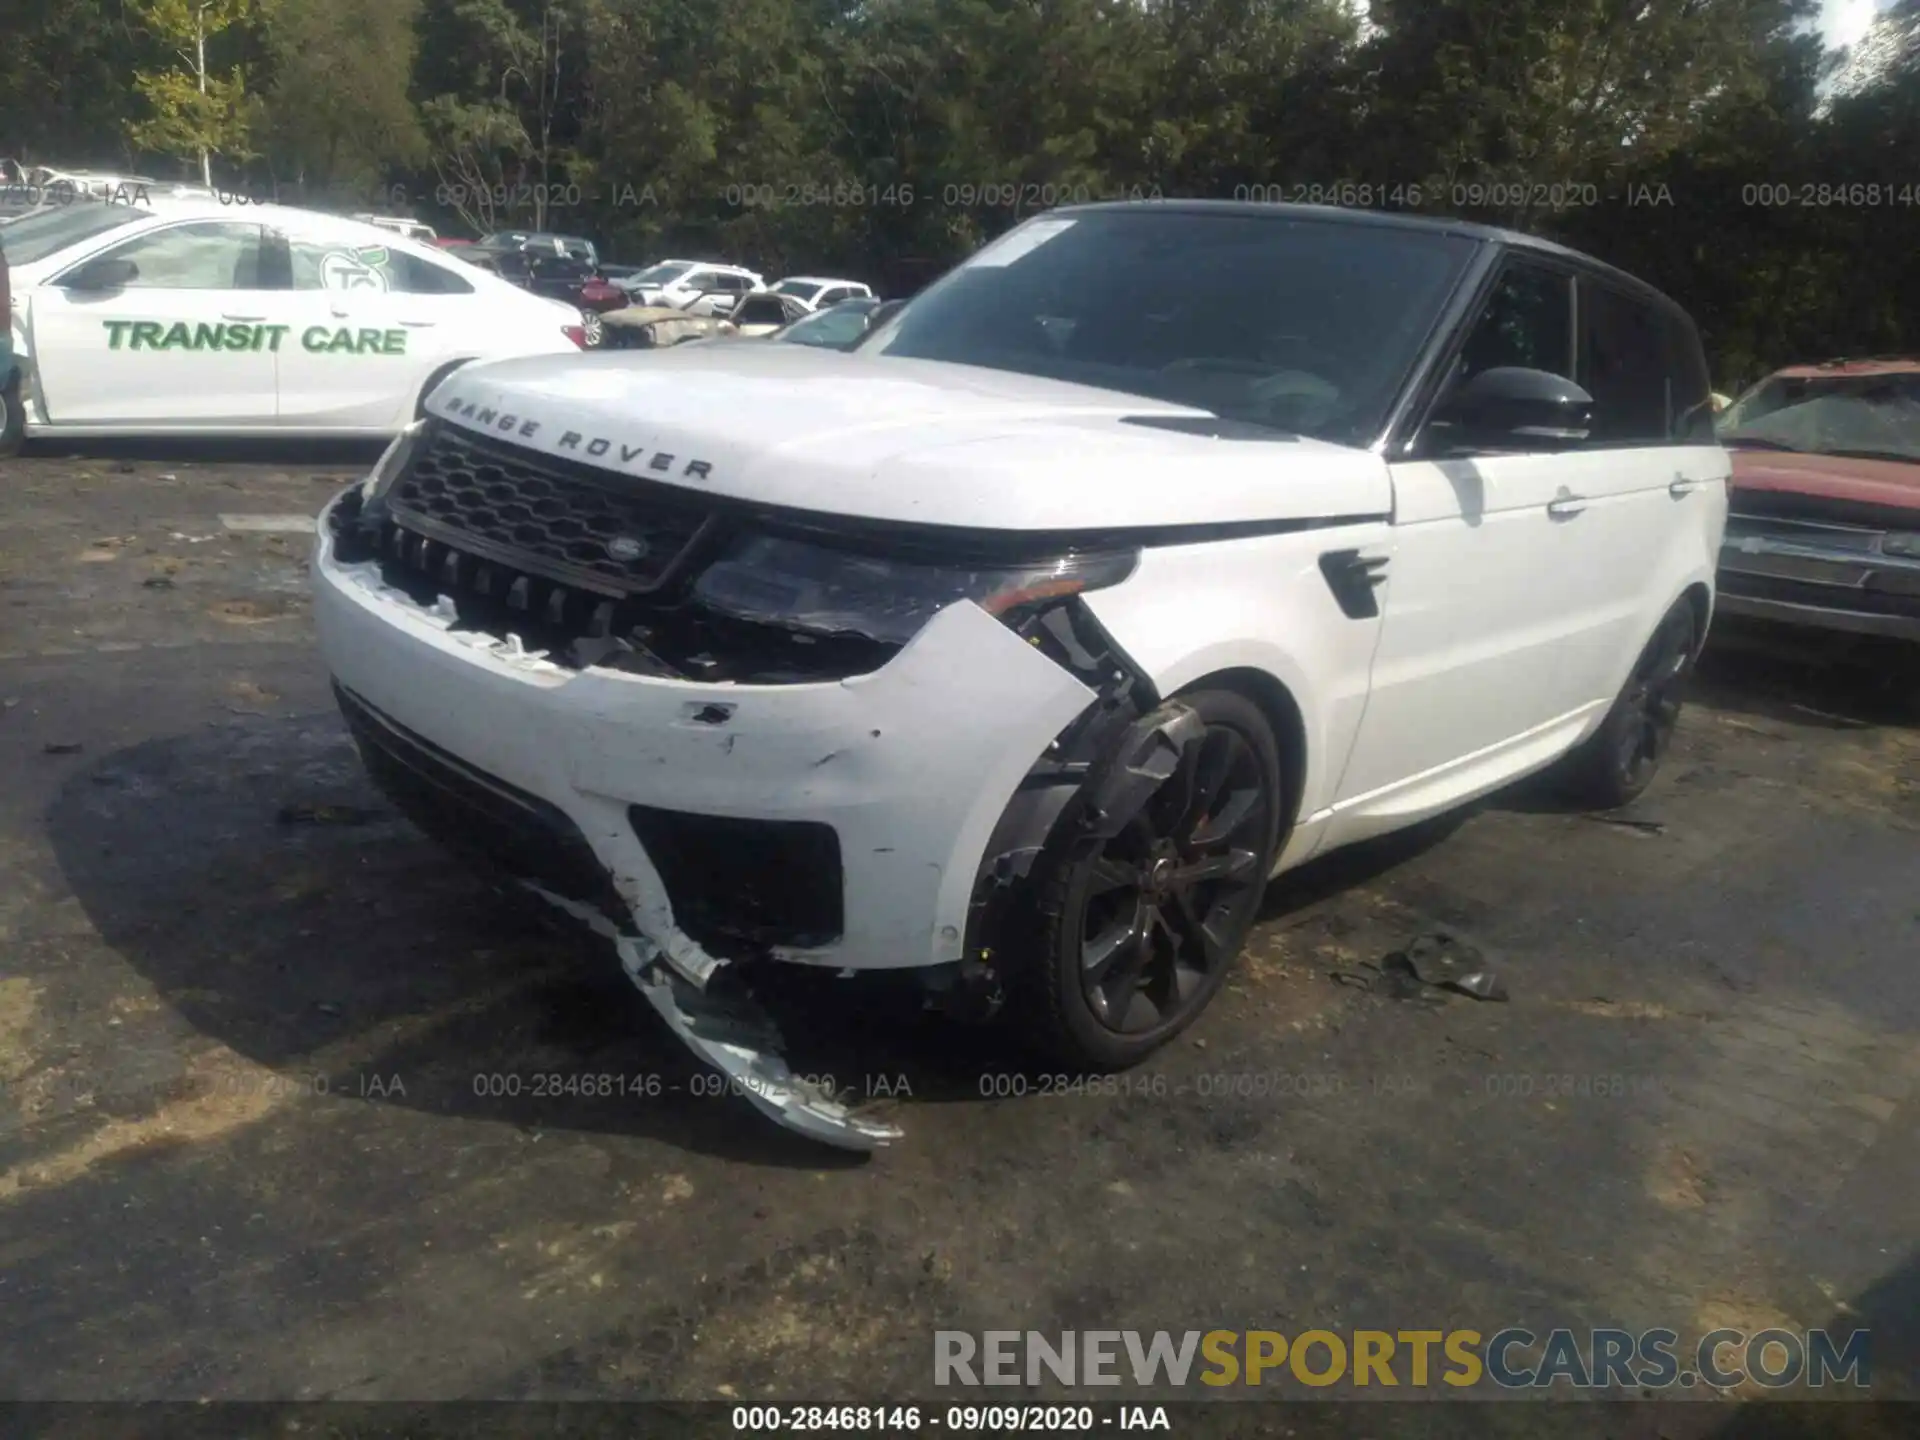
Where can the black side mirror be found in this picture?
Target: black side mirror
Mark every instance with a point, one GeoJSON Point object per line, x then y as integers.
{"type": "Point", "coordinates": [103, 275]}
{"type": "Point", "coordinates": [1513, 408]}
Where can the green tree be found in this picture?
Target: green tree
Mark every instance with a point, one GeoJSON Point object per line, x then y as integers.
{"type": "Point", "coordinates": [339, 115]}
{"type": "Point", "coordinates": [500, 118]}
{"type": "Point", "coordinates": [1521, 96]}
{"type": "Point", "coordinates": [192, 109]}
{"type": "Point", "coordinates": [63, 89]}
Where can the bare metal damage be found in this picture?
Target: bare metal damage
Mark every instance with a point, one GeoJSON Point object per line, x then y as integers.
{"type": "Point", "coordinates": [733, 1035]}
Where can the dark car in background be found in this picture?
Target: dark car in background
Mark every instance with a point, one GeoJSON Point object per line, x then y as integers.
{"type": "Point", "coordinates": [543, 241]}
{"type": "Point", "coordinates": [558, 277]}
{"type": "Point", "coordinates": [1824, 525]}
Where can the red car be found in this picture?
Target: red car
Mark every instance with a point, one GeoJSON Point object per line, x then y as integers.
{"type": "Point", "coordinates": [1824, 528]}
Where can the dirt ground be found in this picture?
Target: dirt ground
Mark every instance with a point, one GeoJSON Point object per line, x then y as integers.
{"type": "Point", "coordinates": [272, 1122]}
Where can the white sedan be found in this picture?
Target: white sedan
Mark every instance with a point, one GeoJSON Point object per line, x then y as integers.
{"type": "Point", "coordinates": [193, 317]}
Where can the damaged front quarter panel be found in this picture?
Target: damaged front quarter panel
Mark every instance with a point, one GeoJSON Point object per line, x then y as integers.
{"type": "Point", "coordinates": [1093, 777]}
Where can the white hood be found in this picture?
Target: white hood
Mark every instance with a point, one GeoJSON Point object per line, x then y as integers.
{"type": "Point", "coordinates": [904, 440]}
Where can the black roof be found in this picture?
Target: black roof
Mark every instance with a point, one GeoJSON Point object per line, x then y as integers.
{"type": "Point", "coordinates": [1432, 224]}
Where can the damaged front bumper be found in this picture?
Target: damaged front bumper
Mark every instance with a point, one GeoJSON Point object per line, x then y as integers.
{"type": "Point", "coordinates": [889, 789]}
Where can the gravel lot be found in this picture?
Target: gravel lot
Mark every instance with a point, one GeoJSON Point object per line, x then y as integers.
{"type": "Point", "coordinates": [259, 1042]}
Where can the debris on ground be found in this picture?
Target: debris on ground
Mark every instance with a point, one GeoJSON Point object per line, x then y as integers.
{"type": "Point", "coordinates": [269, 524]}
{"type": "Point", "coordinates": [730, 1031]}
{"type": "Point", "coordinates": [1630, 822]}
{"type": "Point", "coordinates": [328, 815]}
{"type": "Point", "coordinates": [158, 582]}
{"type": "Point", "coordinates": [1437, 960]}
{"type": "Point", "coordinates": [63, 747]}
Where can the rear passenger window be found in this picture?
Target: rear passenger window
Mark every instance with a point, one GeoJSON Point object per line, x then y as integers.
{"type": "Point", "coordinates": [1628, 365]}
{"type": "Point", "coordinates": [1692, 384]}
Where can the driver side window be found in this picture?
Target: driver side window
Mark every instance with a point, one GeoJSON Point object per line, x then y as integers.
{"type": "Point", "coordinates": [1527, 322]}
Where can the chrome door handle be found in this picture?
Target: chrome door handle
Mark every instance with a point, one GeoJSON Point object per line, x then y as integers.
{"type": "Point", "coordinates": [419, 324]}
{"type": "Point", "coordinates": [249, 318]}
{"type": "Point", "coordinates": [1682, 487]}
{"type": "Point", "coordinates": [1566, 505]}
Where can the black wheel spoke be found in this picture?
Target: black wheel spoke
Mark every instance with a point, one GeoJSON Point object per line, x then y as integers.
{"type": "Point", "coordinates": [1205, 935]}
{"type": "Point", "coordinates": [1121, 987]}
{"type": "Point", "coordinates": [1121, 936]}
{"type": "Point", "coordinates": [1233, 865]}
{"type": "Point", "coordinates": [1227, 821]}
{"type": "Point", "coordinates": [1219, 754]}
{"type": "Point", "coordinates": [1175, 800]}
{"type": "Point", "coordinates": [1171, 894]}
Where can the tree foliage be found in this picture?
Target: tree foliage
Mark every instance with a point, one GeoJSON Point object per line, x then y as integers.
{"type": "Point", "coordinates": [1689, 141]}
{"type": "Point", "coordinates": [338, 113]}
{"type": "Point", "coordinates": [194, 109]}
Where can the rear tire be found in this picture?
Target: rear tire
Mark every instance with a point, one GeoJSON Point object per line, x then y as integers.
{"type": "Point", "coordinates": [1136, 937]}
{"type": "Point", "coordinates": [13, 418]}
{"type": "Point", "coordinates": [1615, 765]}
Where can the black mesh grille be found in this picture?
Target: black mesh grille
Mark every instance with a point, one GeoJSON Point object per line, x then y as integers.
{"type": "Point", "coordinates": [542, 516]}
{"type": "Point", "coordinates": [481, 818]}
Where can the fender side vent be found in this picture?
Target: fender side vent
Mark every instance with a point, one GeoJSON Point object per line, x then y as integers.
{"type": "Point", "coordinates": [1353, 579]}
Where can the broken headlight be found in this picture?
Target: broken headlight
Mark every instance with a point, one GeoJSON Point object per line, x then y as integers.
{"type": "Point", "coordinates": [800, 585]}
{"type": "Point", "coordinates": [390, 466]}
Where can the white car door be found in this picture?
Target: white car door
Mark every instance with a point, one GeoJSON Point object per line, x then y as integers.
{"type": "Point", "coordinates": [188, 338]}
{"type": "Point", "coordinates": [1490, 581]}
{"type": "Point", "coordinates": [374, 323]}
{"type": "Point", "coordinates": [1650, 451]}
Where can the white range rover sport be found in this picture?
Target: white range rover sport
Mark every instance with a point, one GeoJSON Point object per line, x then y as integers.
{"type": "Point", "coordinates": [1020, 645]}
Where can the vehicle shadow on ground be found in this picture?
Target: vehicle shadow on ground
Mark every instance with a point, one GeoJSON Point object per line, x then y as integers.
{"type": "Point", "coordinates": [253, 877]}
{"type": "Point", "coordinates": [184, 451]}
{"type": "Point", "coordinates": [279, 906]}
{"type": "Point", "coordinates": [1889, 1406]}
{"type": "Point", "coordinates": [1843, 683]}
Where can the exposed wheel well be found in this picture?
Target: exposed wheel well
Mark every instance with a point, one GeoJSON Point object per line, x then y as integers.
{"type": "Point", "coordinates": [420, 405]}
{"type": "Point", "coordinates": [1282, 712]}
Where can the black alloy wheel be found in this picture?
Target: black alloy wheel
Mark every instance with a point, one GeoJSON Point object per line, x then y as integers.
{"type": "Point", "coordinates": [1619, 761]}
{"type": "Point", "coordinates": [1140, 934]}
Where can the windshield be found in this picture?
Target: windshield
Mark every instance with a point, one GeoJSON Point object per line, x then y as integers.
{"type": "Point", "coordinates": [506, 239]}
{"type": "Point", "coordinates": [660, 274]}
{"type": "Point", "coordinates": [835, 328]}
{"type": "Point", "coordinates": [1307, 326]}
{"type": "Point", "coordinates": [800, 289]}
{"type": "Point", "coordinates": [37, 235]}
{"type": "Point", "coordinates": [1868, 415]}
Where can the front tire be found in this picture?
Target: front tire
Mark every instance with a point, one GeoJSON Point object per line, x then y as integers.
{"type": "Point", "coordinates": [1615, 765]}
{"type": "Point", "coordinates": [13, 418]}
{"type": "Point", "coordinates": [1137, 933]}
